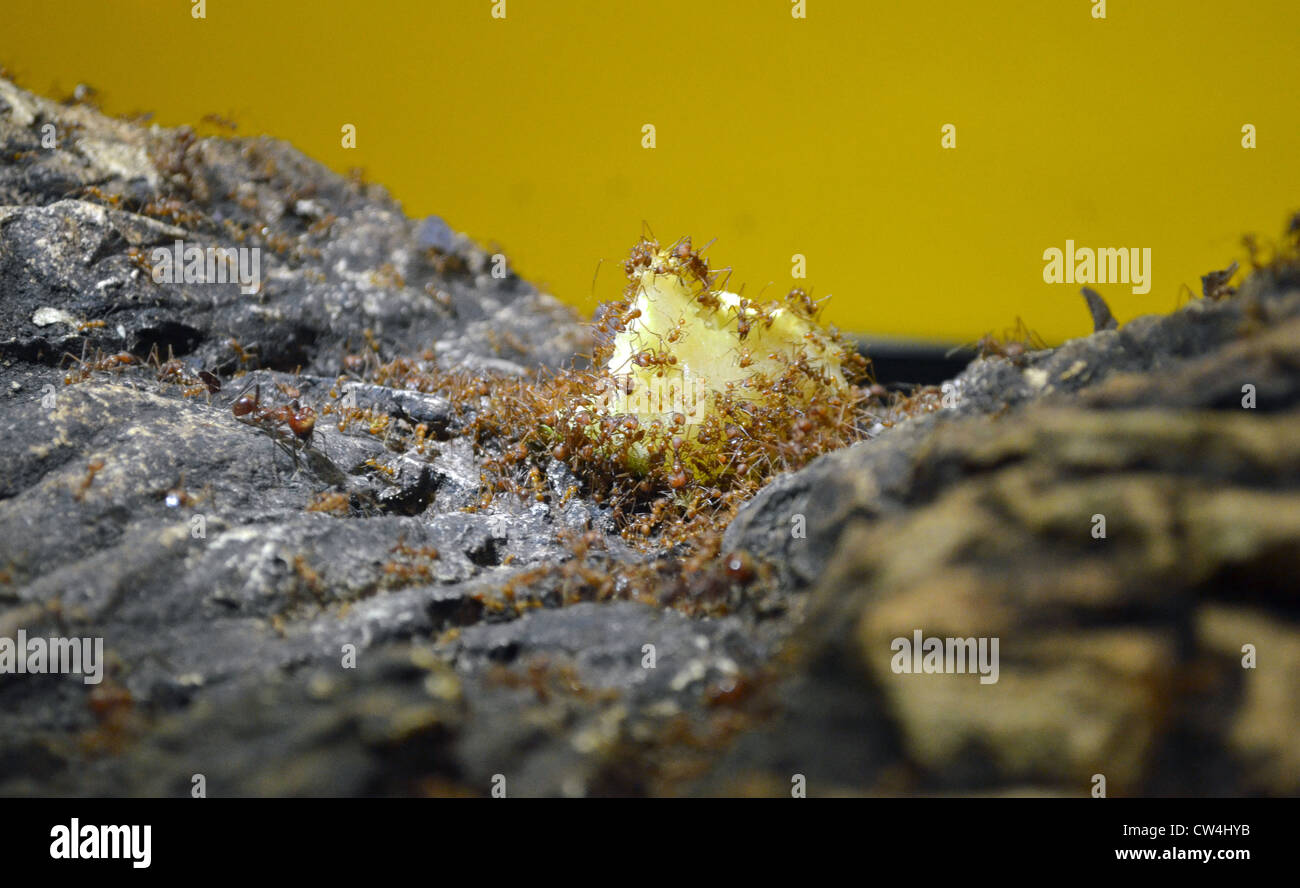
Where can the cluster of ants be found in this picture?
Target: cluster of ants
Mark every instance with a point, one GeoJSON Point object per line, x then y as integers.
{"type": "Point", "coordinates": [172, 371]}
{"type": "Point", "coordinates": [664, 481]}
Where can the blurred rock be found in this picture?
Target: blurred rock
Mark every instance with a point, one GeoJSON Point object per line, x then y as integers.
{"type": "Point", "coordinates": [1120, 654]}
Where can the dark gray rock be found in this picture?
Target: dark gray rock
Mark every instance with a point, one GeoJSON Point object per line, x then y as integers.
{"type": "Point", "coordinates": [285, 617]}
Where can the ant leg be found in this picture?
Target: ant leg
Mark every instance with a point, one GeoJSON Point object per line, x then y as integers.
{"type": "Point", "coordinates": [275, 470]}
{"type": "Point", "coordinates": [308, 445]}
{"type": "Point", "coordinates": [292, 451]}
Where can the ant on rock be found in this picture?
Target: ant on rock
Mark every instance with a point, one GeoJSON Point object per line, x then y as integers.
{"type": "Point", "coordinates": [299, 421]}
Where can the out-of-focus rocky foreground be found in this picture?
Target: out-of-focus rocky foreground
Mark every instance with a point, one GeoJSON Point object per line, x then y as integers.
{"type": "Point", "coordinates": [234, 590]}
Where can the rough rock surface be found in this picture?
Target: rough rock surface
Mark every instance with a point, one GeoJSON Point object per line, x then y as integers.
{"type": "Point", "coordinates": [1121, 655]}
{"type": "Point", "coordinates": [138, 510]}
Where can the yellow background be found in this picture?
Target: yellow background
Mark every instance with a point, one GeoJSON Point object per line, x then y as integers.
{"type": "Point", "coordinates": [776, 136]}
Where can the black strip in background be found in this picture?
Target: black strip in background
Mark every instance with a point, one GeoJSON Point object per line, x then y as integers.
{"type": "Point", "coordinates": [903, 363]}
{"type": "Point", "coordinates": [440, 838]}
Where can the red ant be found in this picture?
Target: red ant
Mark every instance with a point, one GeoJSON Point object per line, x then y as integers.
{"type": "Point", "coordinates": [691, 260]}
{"type": "Point", "coordinates": [659, 360]}
{"type": "Point", "coordinates": [742, 325]}
{"type": "Point", "coordinates": [300, 420]}
{"type": "Point", "coordinates": [174, 371]}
